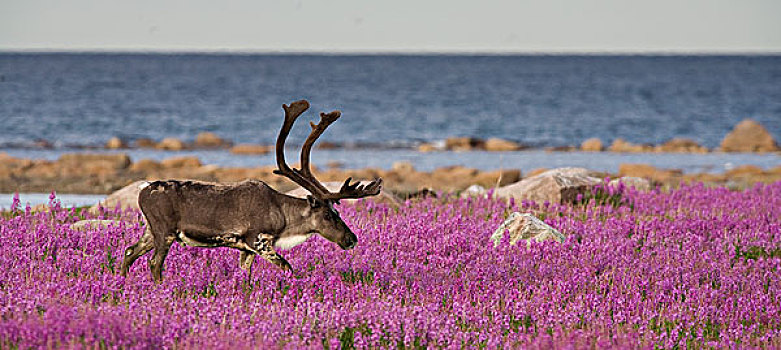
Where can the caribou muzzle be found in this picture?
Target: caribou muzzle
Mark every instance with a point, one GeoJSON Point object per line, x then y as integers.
{"type": "Point", "coordinates": [349, 242]}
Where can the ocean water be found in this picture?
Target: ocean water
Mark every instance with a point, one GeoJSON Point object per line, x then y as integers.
{"type": "Point", "coordinates": [77, 100]}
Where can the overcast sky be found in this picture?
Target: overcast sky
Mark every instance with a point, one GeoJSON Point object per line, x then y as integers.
{"type": "Point", "coordinates": [396, 25]}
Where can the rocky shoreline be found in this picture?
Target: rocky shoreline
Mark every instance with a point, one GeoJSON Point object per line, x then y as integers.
{"type": "Point", "coordinates": [748, 136]}
{"type": "Point", "coordinates": [100, 173]}
{"type": "Point", "coordinates": [91, 173]}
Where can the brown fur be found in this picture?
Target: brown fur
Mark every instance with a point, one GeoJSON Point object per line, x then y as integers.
{"type": "Point", "coordinates": [249, 216]}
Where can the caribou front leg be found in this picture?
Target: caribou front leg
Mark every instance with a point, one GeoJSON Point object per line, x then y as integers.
{"type": "Point", "coordinates": [265, 249]}
{"type": "Point", "coordinates": [262, 247]}
{"type": "Point", "coordinates": [245, 260]}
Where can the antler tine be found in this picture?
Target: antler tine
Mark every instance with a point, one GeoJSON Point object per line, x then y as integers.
{"type": "Point", "coordinates": [356, 190]}
{"type": "Point", "coordinates": [292, 112]}
{"type": "Point", "coordinates": [306, 150]}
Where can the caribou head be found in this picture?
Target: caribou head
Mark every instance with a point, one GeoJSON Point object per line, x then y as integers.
{"type": "Point", "coordinates": [322, 216]}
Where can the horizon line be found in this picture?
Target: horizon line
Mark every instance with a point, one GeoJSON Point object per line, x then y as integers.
{"type": "Point", "coordinates": [347, 52]}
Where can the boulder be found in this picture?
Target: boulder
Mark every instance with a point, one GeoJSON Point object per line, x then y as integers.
{"type": "Point", "coordinates": [145, 143]}
{"type": "Point", "coordinates": [536, 171]}
{"type": "Point", "coordinates": [561, 185]}
{"type": "Point", "coordinates": [749, 136]}
{"type": "Point", "coordinates": [637, 183]}
{"type": "Point", "coordinates": [403, 167]}
{"type": "Point", "coordinates": [384, 197]}
{"type": "Point", "coordinates": [621, 145]}
{"type": "Point", "coordinates": [115, 143]}
{"type": "Point", "coordinates": [497, 178]}
{"type": "Point", "coordinates": [499, 145]}
{"type": "Point", "coordinates": [474, 191]}
{"type": "Point", "coordinates": [451, 178]}
{"type": "Point", "coordinates": [210, 140]}
{"type": "Point", "coordinates": [427, 147]}
{"type": "Point", "coordinates": [327, 145]}
{"type": "Point", "coordinates": [592, 145]}
{"type": "Point", "coordinates": [526, 227]}
{"type": "Point", "coordinates": [85, 160]}
{"type": "Point", "coordinates": [561, 149]}
{"type": "Point", "coordinates": [181, 162]}
{"type": "Point", "coordinates": [334, 164]}
{"type": "Point", "coordinates": [463, 144]}
{"type": "Point", "coordinates": [241, 174]}
{"type": "Point", "coordinates": [146, 165]}
{"type": "Point", "coordinates": [10, 166]}
{"type": "Point", "coordinates": [744, 170]}
{"type": "Point", "coordinates": [126, 197]}
{"type": "Point", "coordinates": [171, 144]}
{"type": "Point", "coordinates": [681, 145]}
{"type": "Point", "coordinates": [649, 172]}
{"type": "Point", "coordinates": [247, 148]}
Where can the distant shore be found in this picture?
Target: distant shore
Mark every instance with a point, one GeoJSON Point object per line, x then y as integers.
{"type": "Point", "coordinates": [103, 173]}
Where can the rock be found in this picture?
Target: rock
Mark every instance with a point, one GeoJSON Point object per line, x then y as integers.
{"type": "Point", "coordinates": [95, 160]}
{"type": "Point", "coordinates": [463, 144]}
{"type": "Point", "coordinates": [497, 178]}
{"type": "Point", "coordinates": [94, 224]}
{"type": "Point", "coordinates": [181, 162]}
{"type": "Point", "coordinates": [115, 143]}
{"type": "Point", "coordinates": [241, 174]}
{"type": "Point", "coordinates": [171, 144]}
{"type": "Point", "coordinates": [561, 149]}
{"type": "Point", "coordinates": [592, 145]}
{"type": "Point", "coordinates": [473, 191]}
{"type": "Point", "coordinates": [637, 183]}
{"type": "Point", "coordinates": [537, 171]}
{"type": "Point", "coordinates": [384, 197]}
{"type": "Point", "coordinates": [648, 172]}
{"type": "Point", "coordinates": [744, 170]}
{"type": "Point", "coordinates": [681, 145]}
{"type": "Point", "coordinates": [561, 185]}
{"type": "Point", "coordinates": [451, 178]}
{"type": "Point", "coordinates": [427, 147]}
{"type": "Point", "coordinates": [210, 140]}
{"type": "Point", "coordinates": [247, 148]}
{"type": "Point", "coordinates": [526, 227]}
{"type": "Point", "coordinates": [499, 145]}
{"type": "Point", "coordinates": [126, 197]}
{"type": "Point", "coordinates": [403, 167]}
{"type": "Point", "coordinates": [621, 145]}
{"type": "Point", "coordinates": [749, 136]}
{"type": "Point", "coordinates": [146, 166]}
{"type": "Point", "coordinates": [334, 164]}
{"type": "Point", "coordinates": [13, 167]}
{"type": "Point", "coordinates": [327, 145]}
{"type": "Point", "coordinates": [145, 143]}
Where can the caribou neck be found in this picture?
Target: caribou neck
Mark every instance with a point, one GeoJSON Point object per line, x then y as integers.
{"type": "Point", "coordinates": [297, 221]}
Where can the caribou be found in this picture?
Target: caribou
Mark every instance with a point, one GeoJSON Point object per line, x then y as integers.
{"type": "Point", "coordinates": [249, 216]}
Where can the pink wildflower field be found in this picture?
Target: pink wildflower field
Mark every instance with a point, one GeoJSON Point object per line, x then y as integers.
{"type": "Point", "coordinates": [686, 268]}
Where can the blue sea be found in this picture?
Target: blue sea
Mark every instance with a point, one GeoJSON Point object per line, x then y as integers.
{"type": "Point", "coordinates": [390, 103]}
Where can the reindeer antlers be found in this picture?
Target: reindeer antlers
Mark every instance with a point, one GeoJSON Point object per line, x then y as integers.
{"type": "Point", "coordinates": [304, 176]}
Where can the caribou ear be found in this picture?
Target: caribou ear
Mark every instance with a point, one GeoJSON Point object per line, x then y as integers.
{"type": "Point", "coordinates": [313, 202]}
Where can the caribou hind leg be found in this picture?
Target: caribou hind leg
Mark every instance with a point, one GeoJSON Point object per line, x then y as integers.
{"type": "Point", "coordinates": [162, 245]}
{"type": "Point", "coordinates": [245, 260]}
{"type": "Point", "coordinates": [132, 253]}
